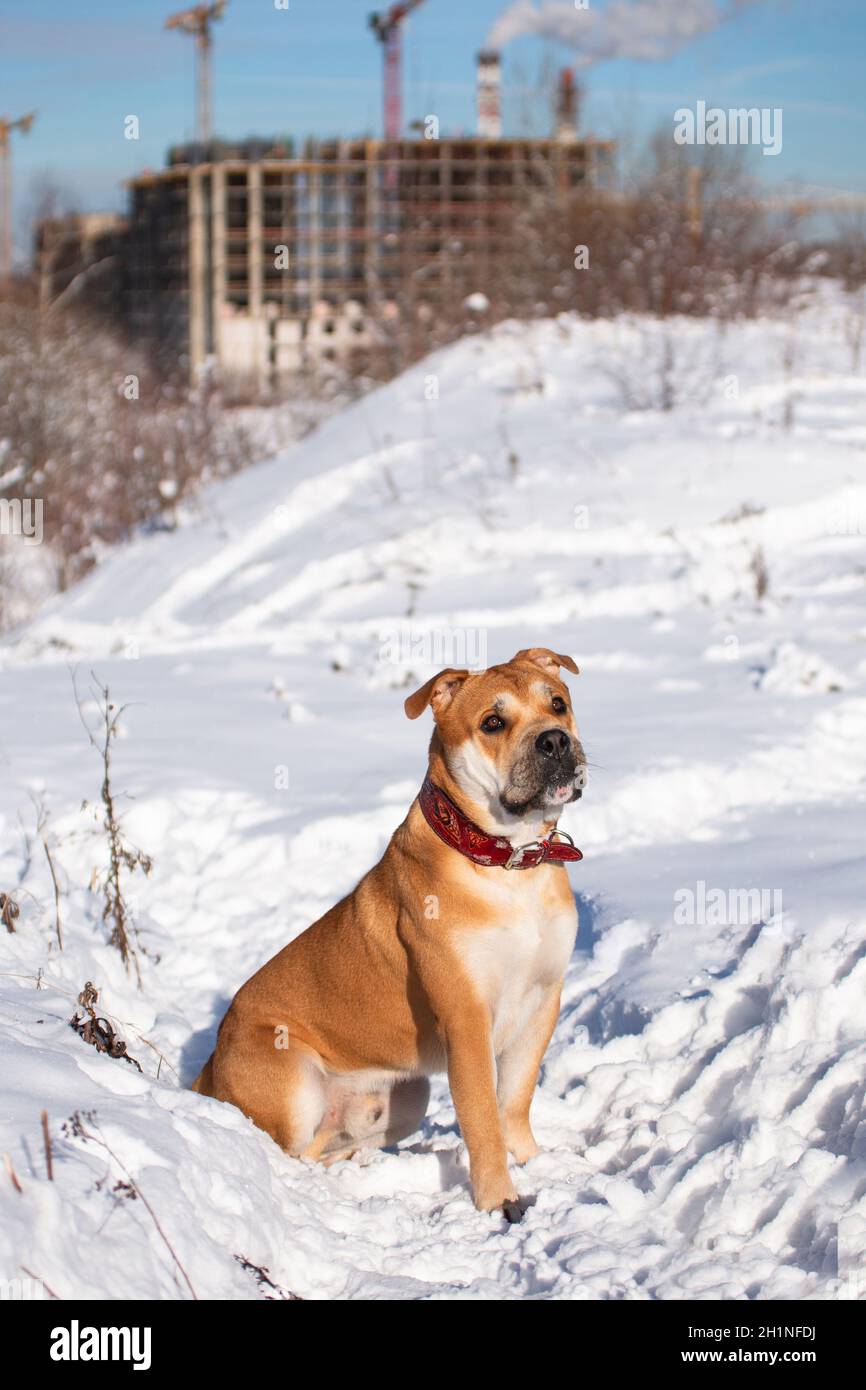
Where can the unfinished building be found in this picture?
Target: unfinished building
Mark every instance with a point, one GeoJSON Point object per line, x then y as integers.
{"type": "Point", "coordinates": [268, 260]}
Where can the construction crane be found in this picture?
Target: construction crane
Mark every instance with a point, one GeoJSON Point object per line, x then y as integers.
{"type": "Point", "coordinates": [6, 128]}
{"type": "Point", "coordinates": [387, 27]}
{"type": "Point", "coordinates": [197, 21]}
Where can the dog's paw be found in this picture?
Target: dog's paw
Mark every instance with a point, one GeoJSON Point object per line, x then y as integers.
{"type": "Point", "coordinates": [522, 1147]}
{"type": "Point", "coordinates": [513, 1211]}
{"type": "Point", "coordinates": [494, 1196]}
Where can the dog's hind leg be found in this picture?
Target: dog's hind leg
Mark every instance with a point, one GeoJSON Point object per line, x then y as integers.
{"type": "Point", "coordinates": [280, 1088]}
{"type": "Point", "coordinates": [203, 1083]}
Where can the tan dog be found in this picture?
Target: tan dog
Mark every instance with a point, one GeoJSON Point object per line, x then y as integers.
{"type": "Point", "coordinates": [443, 957]}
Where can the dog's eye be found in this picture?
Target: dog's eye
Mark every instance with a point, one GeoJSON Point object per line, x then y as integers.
{"type": "Point", "coordinates": [492, 724]}
{"type": "Point", "coordinates": [559, 705]}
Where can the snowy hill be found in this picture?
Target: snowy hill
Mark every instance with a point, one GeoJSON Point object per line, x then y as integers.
{"type": "Point", "coordinates": [701, 1106]}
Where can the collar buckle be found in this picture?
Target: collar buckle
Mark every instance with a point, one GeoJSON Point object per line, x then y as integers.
{"type": "Point", "coordinates": [563, 835]}
{"type": "Point", "coordinates": [515, 858]}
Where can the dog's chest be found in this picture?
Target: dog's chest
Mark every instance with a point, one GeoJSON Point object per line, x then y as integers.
{"type": "Point", "coordinates": [516, 963]}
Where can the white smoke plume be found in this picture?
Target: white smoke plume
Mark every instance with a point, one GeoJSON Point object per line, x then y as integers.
{"type": "Point", "coordinates": [643, 29]}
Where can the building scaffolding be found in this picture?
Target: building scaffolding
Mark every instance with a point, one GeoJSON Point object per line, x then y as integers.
{"type": "Point", "coordinates": [266, 259]}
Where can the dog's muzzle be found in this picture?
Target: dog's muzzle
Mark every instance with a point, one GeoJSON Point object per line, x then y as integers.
{"type": "Point", "coordinates": [564, 776]}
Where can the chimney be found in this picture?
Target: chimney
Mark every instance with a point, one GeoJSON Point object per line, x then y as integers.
{"type": "Point", "coordinates": [489, 96]}
{"type": "Point", "coordinates": [566, 106]}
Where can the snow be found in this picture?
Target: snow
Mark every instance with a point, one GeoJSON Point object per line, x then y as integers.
{"type": "Point", "coordinates": [701, 1105]}
{"type": "Point", "coordinates": [477, 303]}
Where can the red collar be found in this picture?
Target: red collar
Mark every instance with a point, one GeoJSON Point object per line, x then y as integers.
{"type": "Point", "coordinates": [493, 851]}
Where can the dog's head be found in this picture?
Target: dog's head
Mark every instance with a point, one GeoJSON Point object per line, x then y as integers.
{"type": "Point", "coordinates": [508, 734]}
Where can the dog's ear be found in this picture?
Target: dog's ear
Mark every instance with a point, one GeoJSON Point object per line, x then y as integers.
{"type": "Point", "coordinates": [438, 692]}
{"type": "Point", "coordinates": [547, 660]}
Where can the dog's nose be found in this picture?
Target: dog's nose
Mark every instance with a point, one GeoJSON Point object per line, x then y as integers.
{"type": "Point", "coordinates": [553, 743]}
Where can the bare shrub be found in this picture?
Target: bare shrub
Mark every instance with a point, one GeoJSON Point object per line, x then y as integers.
{"type": "Point", "coordinates": [681, 239]}
{"type": "Point", "coordinates": [760, 573]}
{"type": "Point", "coordinates": [87, 427]}
{"type": "Point", "coordinates": [848, 261]}
{"type": "Point", "coordinates": [122, 856]}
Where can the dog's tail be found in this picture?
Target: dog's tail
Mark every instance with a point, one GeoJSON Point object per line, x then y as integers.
{"type": "Point", "coordinates": [204, 1081]}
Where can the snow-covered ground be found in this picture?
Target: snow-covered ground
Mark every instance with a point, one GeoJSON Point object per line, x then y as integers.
{"type": "Point", "coordinates": [701, 1106]}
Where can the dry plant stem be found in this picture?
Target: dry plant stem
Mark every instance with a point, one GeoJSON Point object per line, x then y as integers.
{"type": "Point", "coordinates": [96, 1030]}
{"type": "Point", "coordinates": [40, 982]}
{"type": "Point", "coordinates": [42, 836]}
{"type": "Point", "coordinates": [263, 1279]}
{"type": "Point", "coordinates": [115, 913]}
{"type": "Point", "coordinates": [9, 912]}
{"type": "Point", "coordinates": [99, 1138]}
{"type": "Point", "coordinates": [47, 1287]}
{"type": "Point", "coordinates": [57, 922]}
{"type": "Point", "coordinates": [115, 907]}
{"type": "Point", "coordinates": [46, 1139]}
{"type": "Point", "coordinates": [13, 1176]}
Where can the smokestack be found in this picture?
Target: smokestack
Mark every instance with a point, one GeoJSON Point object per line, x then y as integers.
{"type": "Point", "coordinates": [566, 106]}
{"type": "Point", "coordinates": [489, 95]}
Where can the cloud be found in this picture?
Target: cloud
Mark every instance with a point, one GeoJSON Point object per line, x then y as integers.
{"type": "Point", "coordinates": [771, 69]}
{"type": "Point", "coordinates": [648, 30]}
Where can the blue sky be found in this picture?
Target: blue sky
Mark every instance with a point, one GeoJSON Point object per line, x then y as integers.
{"type": "Point", "coordinates": [315, 69]}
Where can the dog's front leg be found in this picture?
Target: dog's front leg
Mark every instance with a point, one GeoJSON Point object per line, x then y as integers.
{"type": "Point", "coordinates": [472, 1078]}
{"type": "Point", "coordinates": [518, 1068]}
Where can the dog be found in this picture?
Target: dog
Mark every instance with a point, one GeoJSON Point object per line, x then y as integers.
{"type": "Point", "coordinates": [449, 955]}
